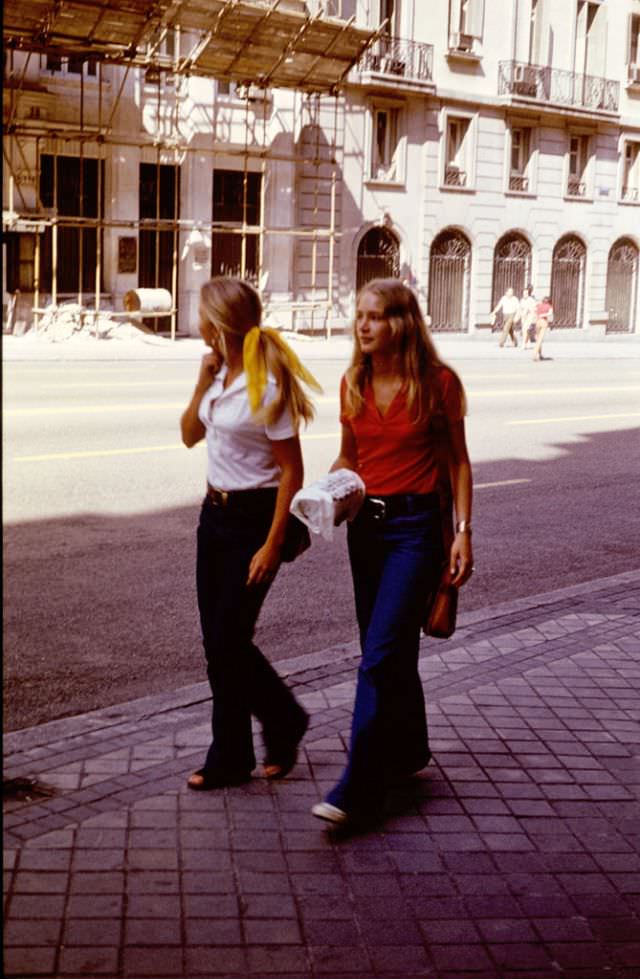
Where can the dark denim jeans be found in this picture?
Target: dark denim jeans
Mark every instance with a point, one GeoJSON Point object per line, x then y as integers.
{"type": "Point", "coordinates": [243, 682]}
{"type": "Point", "coordinates": [395, 564]}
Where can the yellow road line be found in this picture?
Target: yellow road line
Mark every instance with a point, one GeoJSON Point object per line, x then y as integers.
{"type": "Point", "coordinates": [574, 418]}
{"type": "Point", "coordinates": [97, 453]}
{"type": "Point", "coordinates": [500, 482]}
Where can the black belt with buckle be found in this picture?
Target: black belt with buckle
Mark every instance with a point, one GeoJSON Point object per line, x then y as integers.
{"type": "Point", "coordinates": [399, 505]}
{"type": "Point", "coordinates": [230, 498]}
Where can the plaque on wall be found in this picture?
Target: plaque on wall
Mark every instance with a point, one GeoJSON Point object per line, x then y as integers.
{"type": "Point", "coordinates": [127, 254]}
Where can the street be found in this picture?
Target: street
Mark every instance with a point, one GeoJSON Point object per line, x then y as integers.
{"type": "Point", "coordinates": [101, 503]}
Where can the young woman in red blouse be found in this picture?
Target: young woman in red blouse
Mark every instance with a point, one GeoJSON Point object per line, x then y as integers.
{"type": "Point", "coordinates": [402, 414]}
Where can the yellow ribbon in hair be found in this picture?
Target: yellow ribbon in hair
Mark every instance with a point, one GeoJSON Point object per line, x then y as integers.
{"type": "Point", "coordinates": [255, 365]}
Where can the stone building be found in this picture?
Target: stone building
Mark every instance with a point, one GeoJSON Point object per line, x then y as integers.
{"type": "Point", "coordinates": [465, 145]}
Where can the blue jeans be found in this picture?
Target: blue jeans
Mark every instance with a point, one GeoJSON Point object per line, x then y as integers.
{"type": "Point", "coordinates": [395, 563]}
{"type": "Point", "coordinates": [242, 681]}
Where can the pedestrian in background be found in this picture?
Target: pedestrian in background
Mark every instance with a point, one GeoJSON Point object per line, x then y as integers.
{"type": "Point", "coordinates": [248, 402]}
{"type": "Point", "coordinates": [400, 405]}
{"type": "Point", "coordinates": [528, 305]}
{"type": "Point", "coordinates": [509, 306]}
{"type": "Point", "coordinates": [544, 317]}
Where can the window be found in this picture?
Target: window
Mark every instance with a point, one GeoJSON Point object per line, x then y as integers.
{"type": "Point", "coordinates": [390, 12]}
{"type": "Point", "coordinates": [534, 24]}
{"type": "Point", "coordinates": [74, 65]}
{"type": "Point", "coordinates": [520, 163]}
{"type": "Point", "coordinates": [466, 19]}
{"type": "Point", "coordinates": [631, 172]}
{"type": "Point", "coordinates": [159, 210]}
{"type": "Point", "coordinates": [633, 56]}
{"type": "Point", "coordinates": [73, 188]}
{"type": "Point", "coordinates": [342, 9]}
{"type": "Point", "coordinates": [386, 145]}
{"type": "Point", "coordinates": [235, 203]}
{"type": "Point", "coordinates": [20, 261]}
{"type": "Point", "coordinates": [578, 164]}
{"type": "Point", "coordinates": [457, 163]}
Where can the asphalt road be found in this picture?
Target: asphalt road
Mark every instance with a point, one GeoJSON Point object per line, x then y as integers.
{"type": "Point", "coordinates": [101, 503]}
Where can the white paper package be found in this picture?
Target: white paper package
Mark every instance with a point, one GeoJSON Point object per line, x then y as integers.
{"type": "Point", "coordinates": [329, 501]}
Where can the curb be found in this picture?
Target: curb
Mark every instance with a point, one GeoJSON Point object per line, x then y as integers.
{"type": "Point", "coordinates": [92, 722]}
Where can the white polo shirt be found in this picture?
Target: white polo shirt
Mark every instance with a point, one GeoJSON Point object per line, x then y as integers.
{"type": "Point", "coordinates": [240, 455]}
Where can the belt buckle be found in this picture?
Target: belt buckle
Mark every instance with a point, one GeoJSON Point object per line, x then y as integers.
{"type": "Point", "coordinates": [218, 497]}
{"type": "Point", "coordinates": [379, 508]}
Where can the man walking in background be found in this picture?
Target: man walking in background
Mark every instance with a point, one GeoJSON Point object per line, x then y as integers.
{"type": "Point", "coordinates": [509, 306]}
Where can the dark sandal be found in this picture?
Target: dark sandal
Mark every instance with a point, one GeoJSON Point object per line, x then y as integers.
{"type": "Point", "coordinates": [203, 781]}
{"type": "Point", "coordinates": [279, 764]}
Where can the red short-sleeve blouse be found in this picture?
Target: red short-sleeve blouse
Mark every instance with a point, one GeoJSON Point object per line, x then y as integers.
{"type": "Point", "coordinates": [396, 454]}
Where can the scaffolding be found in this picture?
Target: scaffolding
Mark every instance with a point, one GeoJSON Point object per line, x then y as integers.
{"type": "Point", "coordinates": [251, 47]}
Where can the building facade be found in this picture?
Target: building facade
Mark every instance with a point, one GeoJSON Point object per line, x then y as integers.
{"type": "Point", "coordinates": [475, 145]}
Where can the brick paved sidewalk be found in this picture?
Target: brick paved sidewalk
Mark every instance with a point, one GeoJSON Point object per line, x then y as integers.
{"type": "Point", "coordinates": [515, 854]}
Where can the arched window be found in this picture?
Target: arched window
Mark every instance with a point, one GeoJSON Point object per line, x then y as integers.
{"type": "Point", "coordinates": [567, 282]}
{"type": "Point", "coordinates": [511, 265]}
{"type": "Point", "coordinates": [378, 256]}
{"type": "Point", "coordinates": [622, 286]}
{"type": "Point", "coordinates": [449, 271]}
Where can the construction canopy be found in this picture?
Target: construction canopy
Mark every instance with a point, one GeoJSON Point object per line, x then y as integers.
{"type": "Point", "coordinates": [261, 42]}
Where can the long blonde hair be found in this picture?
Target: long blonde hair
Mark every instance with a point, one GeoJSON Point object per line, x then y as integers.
{"type": "Point", "coordinates": [419, 360]}
{"type": "Point", "coordinates": [233, 307]}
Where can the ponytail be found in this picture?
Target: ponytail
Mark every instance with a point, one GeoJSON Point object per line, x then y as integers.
{"type": "Point", "coordinates": [264, 352]}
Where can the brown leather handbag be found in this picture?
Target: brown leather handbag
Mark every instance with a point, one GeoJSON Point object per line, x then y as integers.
{"type": "Point", "coordinates": [441, 606]}
{"type": "Point", "coordinates": [442, 609]}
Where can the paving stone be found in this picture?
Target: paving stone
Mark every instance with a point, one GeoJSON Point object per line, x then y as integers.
{"type": "Point", "coordinates": [39, 931]}
{"type": "Point", "coordinates": [29, 961]}
{"type": "Point", "coordinates": [85, 931]}
{"type": "Point", "coordinates": [153, 931]}
{"type": "Point", "coordinates": [158, 961]}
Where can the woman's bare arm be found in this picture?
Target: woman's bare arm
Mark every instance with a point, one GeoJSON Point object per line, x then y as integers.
{"type": "Point", "coordinates": [348, 457]}
{"type": "Point", "coordinates": [462, 485]}
{"type": "Point", "coordinates": [191, 428]}
{"type": "Point", "coordinates": [266, 560]}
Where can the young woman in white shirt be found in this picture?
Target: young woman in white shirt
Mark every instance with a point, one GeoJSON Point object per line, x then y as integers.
{"type": "Point", "coordinates": [248, 402]}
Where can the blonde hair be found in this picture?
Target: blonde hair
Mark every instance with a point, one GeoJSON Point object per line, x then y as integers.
{"type": "Point", "coordinates": [419, 360]}
{"type": "Point", "coordinates": [233, 307]}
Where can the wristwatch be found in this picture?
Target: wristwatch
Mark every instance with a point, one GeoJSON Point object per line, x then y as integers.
{"type": "Point", "coordinates": [463, 527]}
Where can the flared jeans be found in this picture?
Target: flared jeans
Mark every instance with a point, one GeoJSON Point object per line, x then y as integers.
{"type": "Point", "coordinates": [242, 681]}
{"type": "Point", "coordinates": [395, 564]}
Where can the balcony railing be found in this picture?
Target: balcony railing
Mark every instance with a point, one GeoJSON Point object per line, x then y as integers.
{"type": "Point", "coordinates": [397, 58]}
{"type": "Point", "coordinates": [631, 194]}
{"type": "Point", "coordinates": [518, 182]}
{"type": "Point", "coordinates": [558, 87]}
{"type": "Point", "coordinates": [454, 177]}
{"type": "Point", "coordinates": [576, 187]}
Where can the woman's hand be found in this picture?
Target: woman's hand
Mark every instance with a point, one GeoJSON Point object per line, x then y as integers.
{"type": "Point", "coordinates": [264, 565]}
{"type": "Point", "coordinates": [209, 367]}
{"type": "Point", "coordinates": [461, 559]}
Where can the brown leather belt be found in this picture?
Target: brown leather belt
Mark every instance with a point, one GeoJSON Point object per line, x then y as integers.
{"type": "Point", "coordinates": [240, 497]}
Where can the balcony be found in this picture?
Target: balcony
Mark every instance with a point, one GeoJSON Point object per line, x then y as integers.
{"type": "Point", "coordinates": [631, 195]}
{"type": "Point", "coordinates": [395, 62]}
{"type": "Point", "coordinates": [556, 87]}
{"type": "Point", "coordinates": [518, 183]}
{"type": "Point", "coordinates": [576, 187]}
{"type": "Point", "coordinates": [454, 176]}
{"type": "Point", "coordinates": [464, 47]}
